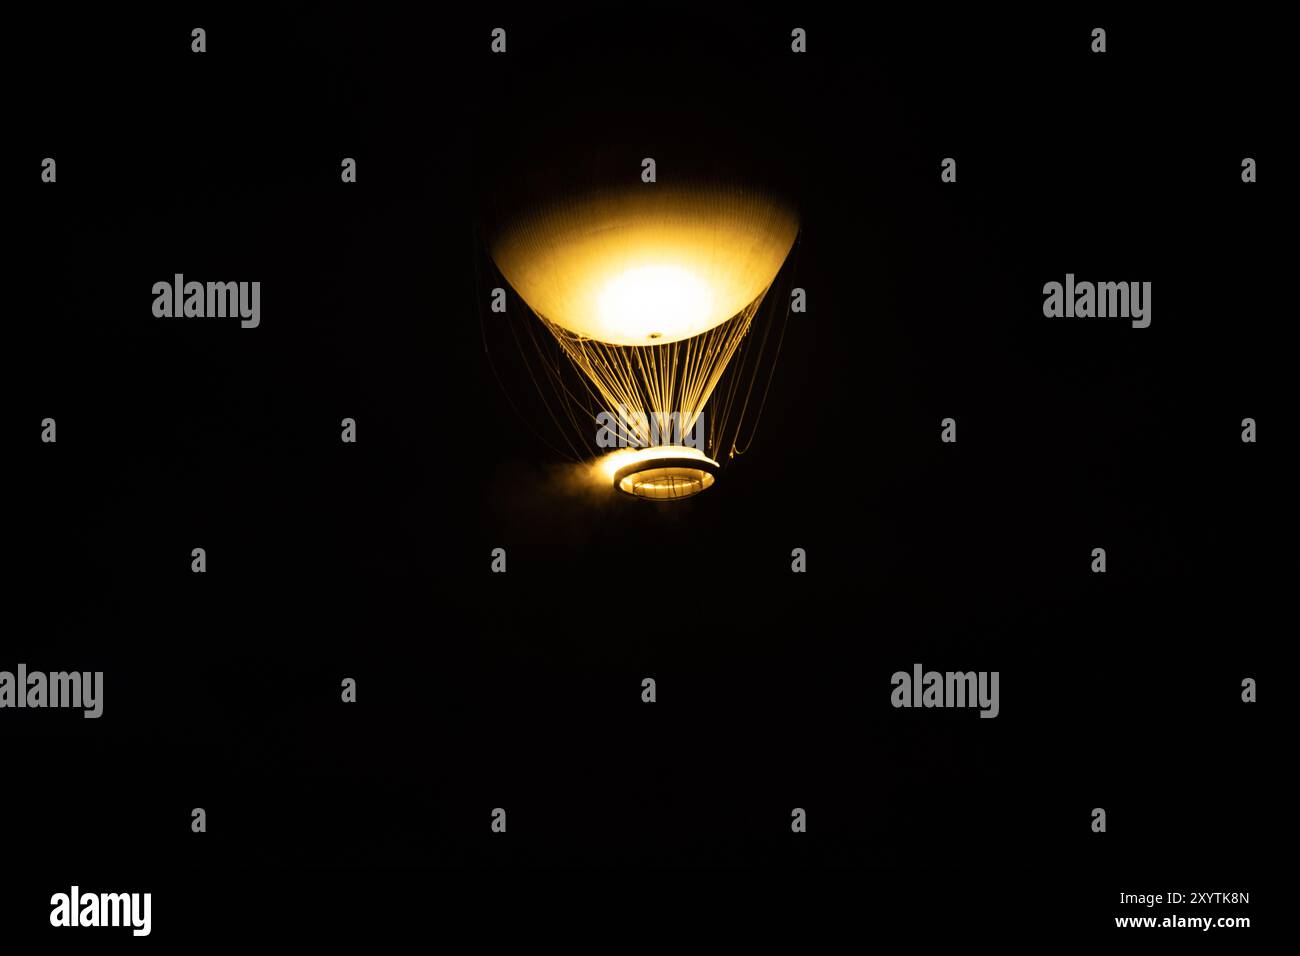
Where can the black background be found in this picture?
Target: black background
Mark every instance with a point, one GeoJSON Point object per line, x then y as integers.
{"type": "Point", "coordinates": [522, 690]}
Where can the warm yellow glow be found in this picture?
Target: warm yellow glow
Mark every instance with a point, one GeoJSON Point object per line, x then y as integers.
{"type": "Point", "coordinates": [607, 465]}
{"type": "Point", "coordinates": [647, 265]}
{"type": "Point", "coordinates": [654, 303]}
{"type": "Point", "coordinates": [671, 483]}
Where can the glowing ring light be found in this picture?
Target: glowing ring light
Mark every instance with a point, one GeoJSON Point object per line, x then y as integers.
{"type": "Point", "coordinates": [666, 473]}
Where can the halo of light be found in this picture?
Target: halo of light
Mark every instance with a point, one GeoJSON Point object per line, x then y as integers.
{"type": "Point", "coordinates": [646, 265]}
{"type": "Point", "coordinates": [661, 473]}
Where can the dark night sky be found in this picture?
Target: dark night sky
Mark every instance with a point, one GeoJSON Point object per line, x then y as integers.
{"type": "Point", "coordinates": [522, 691]}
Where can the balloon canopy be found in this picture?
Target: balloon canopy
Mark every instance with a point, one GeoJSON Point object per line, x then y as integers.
{"type": "Point", "coordinates": [650, 289]}
{"type": "Point", "coordinates": [648, 264]}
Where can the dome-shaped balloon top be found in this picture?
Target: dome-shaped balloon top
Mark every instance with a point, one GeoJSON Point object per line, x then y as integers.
{"type": "Point", "coordinates": [648, 264]}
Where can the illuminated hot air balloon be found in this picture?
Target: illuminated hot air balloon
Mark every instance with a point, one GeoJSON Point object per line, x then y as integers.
{"type": "Point", "coordinates": [650, 291]}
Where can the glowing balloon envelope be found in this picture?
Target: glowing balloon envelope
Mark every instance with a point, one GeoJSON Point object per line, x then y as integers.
{"type": "Point", "coordinates": [650, 289]}
{"type": "Point", "coordinates": [647, 265]}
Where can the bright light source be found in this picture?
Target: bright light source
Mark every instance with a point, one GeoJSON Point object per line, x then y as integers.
{"type": "Point", "coordinates": [620, 266]}
{"type": "Point", "coordinates": [664, 472]}
{"type": "Point", "coordinates": [653, 303]}
{"type": "Point", "coordinates": [650, 292]}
